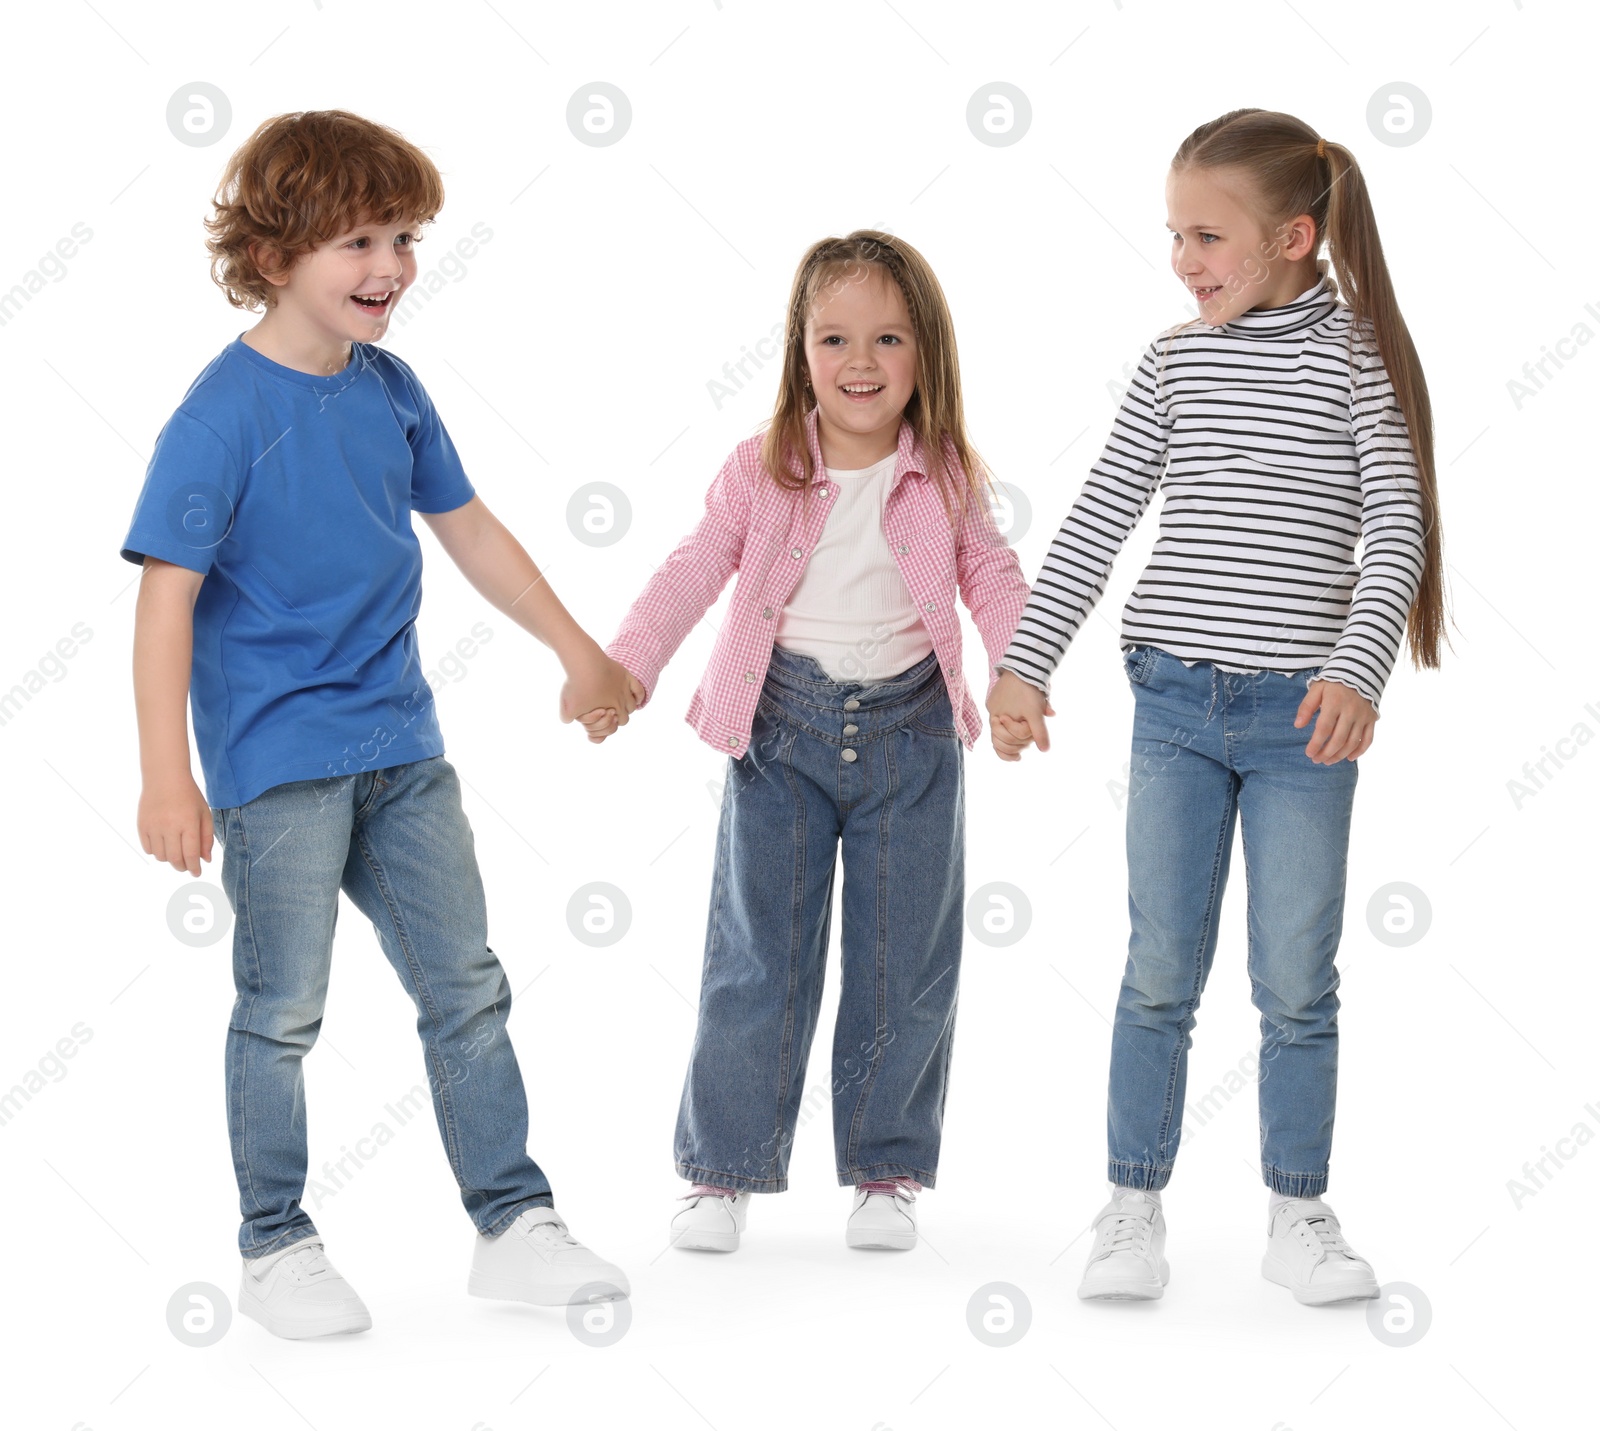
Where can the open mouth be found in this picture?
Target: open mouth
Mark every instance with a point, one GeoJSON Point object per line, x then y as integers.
{"type": "Point", "coordinates": [1201, 294]}
{"type": "Point", "coordinates": [861, 392]}
{"type": "Point", "coordinates": [373, 302]}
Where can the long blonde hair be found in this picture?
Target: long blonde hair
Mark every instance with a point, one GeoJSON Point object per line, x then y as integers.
{"type": "Point", "coordinates": [934, 411]}
{"type": "Point", "coordinates": [1284, 176]}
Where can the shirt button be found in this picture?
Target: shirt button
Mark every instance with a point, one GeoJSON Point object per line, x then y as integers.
{"type": "Point", "coordinates": [795, 553]}
{"type": "Point", "coordinates": [749, 675]}
{"type": "Point", "coordinates": [767, 613]}
{"type": "Point", "coordinates": [927, 606]}
{"type": "Point", "coordinates": [847, 755]}
{"type": "Point", "coordinates": [852, 705]}
{"type": "Point", "coordinates": [903, 547]}
{"type": "Point", "coordinates": [824, 492]}
{"type": "Point", "coordinates": [733, 740]}
{"type": "Point", "coordinates": [851, 729]}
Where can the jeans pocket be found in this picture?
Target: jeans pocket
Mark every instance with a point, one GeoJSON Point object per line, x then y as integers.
{"type": "Point", "coordinates": [938, 717]}
{"type": "Point", "coordinates": [1137, 661]}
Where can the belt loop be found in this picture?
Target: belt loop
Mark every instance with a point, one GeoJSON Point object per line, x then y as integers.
{"type": "Point", "coordinates": [1212, 707]}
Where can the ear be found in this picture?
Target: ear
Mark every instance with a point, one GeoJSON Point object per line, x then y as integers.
{"type": "Point", "coordinates": [1299, 237]}
{"type": "Point", "coordinates": [269, 264]}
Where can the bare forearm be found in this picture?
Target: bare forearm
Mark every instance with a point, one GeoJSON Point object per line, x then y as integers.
{"type": "Point", "coordinates": [163, 647]}
{"type": "Point", "coordinates": [501, 570]}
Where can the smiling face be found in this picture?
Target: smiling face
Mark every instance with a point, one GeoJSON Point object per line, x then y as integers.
{"type": "Point", "coordinates": [1228, 262]}
{"type": "Point", "coordinates": [861, 354]}
{"type": "Point", "coordinates": [343, 291]}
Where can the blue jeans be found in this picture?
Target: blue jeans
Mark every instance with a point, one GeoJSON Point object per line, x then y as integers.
{"type": "Point", "coordinates": [398, 843]}
{"type": "Point", "coordinates": [1210, 747]}
{"type": "Point", "coordinates": [878, 765]}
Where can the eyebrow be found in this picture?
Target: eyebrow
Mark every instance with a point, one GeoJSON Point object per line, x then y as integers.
{"type": "Point", "coordinates": [1210, 228]}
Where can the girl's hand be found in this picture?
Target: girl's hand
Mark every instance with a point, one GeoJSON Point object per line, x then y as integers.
{"type": "Point", "coordinates": [175, 823]}
{"type": "Point", "coordinates": [599, 723]}
{"type": "Point", "coordinates": [602, 721]}
{"type": "Point", "coordinates": [595, 682]}
{"type": "Point", "coordinates": [1016, 716]}
{"type": "Point", "coordinates": [1345, 721]}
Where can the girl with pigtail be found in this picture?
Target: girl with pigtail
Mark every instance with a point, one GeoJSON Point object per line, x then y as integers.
{"type": "Point", "coordinates": [1288, 421]}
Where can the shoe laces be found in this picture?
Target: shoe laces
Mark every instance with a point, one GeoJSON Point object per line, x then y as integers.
{"type": "Point", "coordinates": [1125, 1232]}
{"type": "Point", "coordinates": [905, 1187]}
{"type": "Point", "coordinates": [304, 1261]}
{"type": "Point", "coordinates": [710, 1190]}
{"type": "Point", "coordinates": [552, 1234]}
{"type": "Point", "coordinates": [1329, 1234]}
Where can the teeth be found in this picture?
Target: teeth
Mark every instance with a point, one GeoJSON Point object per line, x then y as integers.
{"type": "Point", "coordinates": [863, 387]}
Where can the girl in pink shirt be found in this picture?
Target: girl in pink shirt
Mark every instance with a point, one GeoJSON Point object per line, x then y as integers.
{"type": "Point", "coordinates": [835, 688]}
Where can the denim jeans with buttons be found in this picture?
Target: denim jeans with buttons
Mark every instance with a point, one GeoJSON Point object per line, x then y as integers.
{"type": "Point", "coordinates": [1212, 748]}
{"type": "Point", "coordinates": [397, 842]}
{"type": "Point", "coordinates": [877, 768]}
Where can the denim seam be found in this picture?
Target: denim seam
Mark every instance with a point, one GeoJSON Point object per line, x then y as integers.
{"type": "Point", "coordinates": [236, 1092]}
{"type": "Point", "coordinates": [286, 1238]}
{"type": "Point", "coordinates": [870, 1172]}
{"type": "Point", "coordinates": [1300, 1184]}
{"type": "Point", "coordinates": [796, 907]}
{"type": "Point", "coordinates": [425, 994]}
{"type": "Point", "coordinates": [774, 708]}
{"type": "Point", "coordinates": [1164, 1139]}
{"type": "Point", "coordinates": [501, 1223]}
{"type": "Point", "coordinates": [694, 1172]}
{"type": "Point", "coordinates": [880, 953]}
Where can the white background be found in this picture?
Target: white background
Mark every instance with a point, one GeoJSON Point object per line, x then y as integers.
{"type": "Point", "coordinates": [578, 346]}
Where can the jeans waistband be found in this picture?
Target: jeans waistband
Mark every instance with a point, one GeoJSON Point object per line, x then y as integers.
{"type": "Point", "coordinates": [803, 676]}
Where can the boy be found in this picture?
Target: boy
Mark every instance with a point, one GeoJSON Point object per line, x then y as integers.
{"type": "Point", "coordinates": [282, 574]}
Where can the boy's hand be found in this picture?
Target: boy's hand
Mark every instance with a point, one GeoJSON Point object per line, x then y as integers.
{"type": "Point", "coordinates": [1016, 716]}
{"type": "Point", "coordinates": [1345, 721]}
{"type": "Point", "coordinates": [175, 823]}
{"type": "Point", "coordinates": [596, 682]}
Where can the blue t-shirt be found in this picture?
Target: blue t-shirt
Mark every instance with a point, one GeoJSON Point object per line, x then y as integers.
{"type": "Point", "coordinates": [293, 494]}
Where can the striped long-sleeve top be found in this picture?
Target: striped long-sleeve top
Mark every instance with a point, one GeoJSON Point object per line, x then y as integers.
{"type": "Point", "coordinates": [1277, 449]}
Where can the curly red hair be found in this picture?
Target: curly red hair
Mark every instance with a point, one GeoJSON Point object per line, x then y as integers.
{"type": "Point", "coordinates": [302, 179]}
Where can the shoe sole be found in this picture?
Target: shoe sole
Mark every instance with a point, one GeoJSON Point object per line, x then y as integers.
{"type": "Point", "coordinates": [1124, 1291]}
{"type": "Point", "coordinates": [515, 1289]}
{"type": "Point", "coordinates": [1314, 1296]}
{"type": "Point", "coordinates": [880, 1241]}
{"type": "Point", "coordinates": [702, 1240]}
{"type": "Point", "coordinates": [334, 1326]}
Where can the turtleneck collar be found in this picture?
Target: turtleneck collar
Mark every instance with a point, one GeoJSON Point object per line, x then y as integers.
{"type": "Point", "coordinates": [1311, 307]}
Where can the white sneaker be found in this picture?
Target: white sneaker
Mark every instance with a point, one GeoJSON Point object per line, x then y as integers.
{"type": "Point", "coordinates": [884, 1216]}
{"type": "Point", "coordinates": [1125, 1263]}
{"type": "Point", "coordinates": [710, 1221]}
{"type": "Point", "coordinates": [295, 1292]}
{"type": "Point", "coordinates": [537, 1260]}
{"type": "Point", "coordinates": [1307, 1253]}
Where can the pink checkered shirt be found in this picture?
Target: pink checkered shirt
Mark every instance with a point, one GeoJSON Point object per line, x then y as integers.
{"type": "Point", "coordinates": [760, 530]}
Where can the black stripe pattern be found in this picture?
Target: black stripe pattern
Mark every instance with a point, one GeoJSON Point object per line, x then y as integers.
{"type": "Point", "coordinates": [1278, 444]}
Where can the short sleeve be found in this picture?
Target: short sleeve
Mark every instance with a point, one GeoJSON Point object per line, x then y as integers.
{"type": "Point", "coordinates": [191, 489]}
{"type": "Point", "coordinates": [439, 483]}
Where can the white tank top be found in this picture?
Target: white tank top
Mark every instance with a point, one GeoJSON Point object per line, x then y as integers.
{"type": "Point", "coordinates": [851, 611]}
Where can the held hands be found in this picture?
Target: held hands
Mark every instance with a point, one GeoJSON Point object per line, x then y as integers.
{"type": "Point", "coordinates": [603, 721]}
{"type": "Point", "coordinates": [600, 694]}
{"type": "Point", "coordinates": [175, 823]}
{"type": "Point", "coordinates": [1016, 716]}
{"type": "Point", "coordinates": [1345, 721]}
